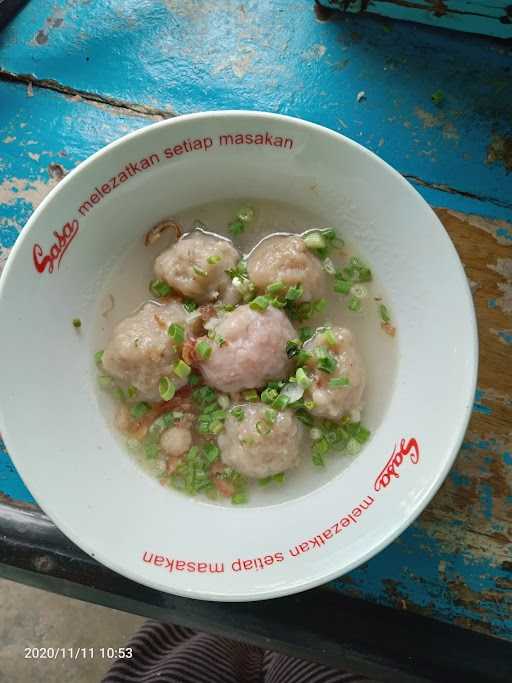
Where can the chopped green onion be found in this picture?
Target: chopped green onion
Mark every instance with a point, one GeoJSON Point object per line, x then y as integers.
{"type": "Point", "coordinates": [212, 452]}
{"type": "Point", "coordinates": [193, 379]}
{"type": "Point", "coordinates": [277, 303]}
{"type": "Point", "coordinates": [328, 266]}
{"type": "Point", "coordinates": [321, 446]}
{"type": "Point", "coordinates": [362, 434]}
{"type": "Point", "coordinates": [167, 388]}
{"type": "Point", "coordinates": [214, 258]}
{"type": "Point", "coordinates": [77, 322]}
{"type": "Point", "coordinates": [159, 288]}
{"type": "Point", "coordinates": [239, 498]}
{"type": "Point", "coordinates": [359, 291]}
{"type": "Point", "coordinates": [203, 349]}
{"type": "Point", "coordinates": [238, 413]}
{"type": "Point", "coordinates": [140, 409]}
{"type": "Point", "coordinates": [132, 391]}
{"type": "Point", "coordinates": [176, 333]}
{"type": "Point", "coordinates": [320, 305]}
{"type": "Point", "coordinates": [353, 447]}
{"type": "Point", "coordinates": [204, 395]}
{"type": "Point", "coordinates": [270, 416]}
{"type": "Point", "coordinates": [151, 450]}
{"type": "Point", "coordinates": [260, 303]}
{"type": "Point", "coordinates": [304, 417]}
{"type": "Point", "coordinates": [303, 357]}
{"type": "Point", "coordinates": [216, 427]}
{"type": "Point", "coordinates": [189, 305]}
{"type": "Point", "coordinates": [316, 434]}
{"type": "Point", "coordinates": [302, 379]}
{"type": "Point", "coordinates": [199, 271]}
{"type": "Point", "coordinates": [275, 287]}
{"type": "Point", "coordinates": [105, 381]}
{"type": "Point", "coordinates": [325, 360]}
{"type": "Point", "coordinates": [263, 427]}
{"type": "Point", "coordinates": [279, 478]}
{"type": "Point", "coordinates": [181, 369]}
{"type": "Point", "coordinates": [315, 240]}
{"type": "Point", "coordinates": [306, 333]}
{"type": "Point", "coordinates": [294, 293]}
{"type": "Point", "coordinates": [384, 313]}
{"type": "Point", "coordinates": [98, 357]}
{"type": "Point", "coordinates": [292, 348]}
{"type": "Point", "coordinates": [118, 394]}
{"type": "Point", "coordinates": [250, 395]}
{"type": "Point", "coordinates": [337, 382]}
{"type": "Point", "coordinates": [268, 395]}
{"type": "Point", "coordinates": [163, 422]}
{"type": "Point", "coordinates": [227, 307]}
{"type": "Point", "coordinates": [280, 402]}
{"type": "Point", "coordinates": [236, 227]}
{"type": "Point", "coordinates": [309, 405]}
{"type": "Point", "coordinates": [245, 214]}
{"type": "Point", "coordinates": [318, 460]}
{"type": "Point", "coordinates": [265, 481]}
{"type": "Point", "coordinates": [223, 401]}
{"type": "Point", "coordinates": [342, 286]}
{"type": "Point", "coordinates": [329, 337]}
{"type": "Point", "coordinates": [354, 304]}
{"type": "Point", "coordinates": [438, 97]}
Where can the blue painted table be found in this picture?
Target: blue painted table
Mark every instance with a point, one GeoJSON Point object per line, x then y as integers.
{"type": "Point", "coordinates": [77, 76]}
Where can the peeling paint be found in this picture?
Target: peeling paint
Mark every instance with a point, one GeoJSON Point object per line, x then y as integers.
{"type": "Point", "coordinates": [32, 191]}
{"type": "Point", "coordinates": [437, 120]}
{"type": "Point", "coordinates": [500, 230]}
{"type": "Point", "coordinates": [316, 51]}
{"type": "Point", "coordinates": [500, 151]}
{"type": "Point", "coordinates": [505, 336]}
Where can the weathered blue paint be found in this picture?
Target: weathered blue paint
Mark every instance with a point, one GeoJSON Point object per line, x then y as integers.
{"type": "Point", "coordinates": [506, 336]}
{"type": "Point", "coordinates": [274, 55]}
{"type": "Point", "coordinates": [11, 483]}
{"type": "Point", "coordinates": [479, 406]}
{"type": "Point", "coordinates": [425, 577]}
{"type": "Point", "coordinates": [191, 55]}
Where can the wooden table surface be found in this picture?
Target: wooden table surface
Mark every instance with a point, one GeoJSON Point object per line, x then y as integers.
{"type": "Point", "coordinates": [79, 74]}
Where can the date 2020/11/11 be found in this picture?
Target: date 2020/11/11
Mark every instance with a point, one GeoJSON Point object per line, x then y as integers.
{"type": "Point", "coordinates": [78, 653]}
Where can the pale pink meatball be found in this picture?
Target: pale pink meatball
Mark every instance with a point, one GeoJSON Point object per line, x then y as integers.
{"type": "Point", "coordinates": [253, 350]}
{"type": "Point", "coordinates": [196, 266]}
{"type": "Point", "coordinates": [140, 351]}
{"type": "Point", "coordinates": [287, 260]}
{"type": "Point", "coordinates": [256, 448]}
{"type": "Point", "coordinates": [176, 441]}
{"type": "Point", "coordinates": [333, 402]}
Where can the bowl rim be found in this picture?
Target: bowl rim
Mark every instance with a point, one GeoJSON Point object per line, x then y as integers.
{"type": "Point", "coordinates": [471, 350]}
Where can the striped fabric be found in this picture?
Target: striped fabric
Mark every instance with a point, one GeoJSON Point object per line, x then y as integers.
{"type": "Point", "coordinates": [172, 654]}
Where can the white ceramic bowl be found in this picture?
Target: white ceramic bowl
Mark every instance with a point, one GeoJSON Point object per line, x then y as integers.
{"type": "Point", "coordinates": [58, 435]}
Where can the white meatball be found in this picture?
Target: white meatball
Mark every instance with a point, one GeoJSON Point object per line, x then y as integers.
{"type": "Point", "coordinates": [140, 351]}
{"type": "Point", "coordinates": [176, 441]}
{"type": "Point", "coordinates": [185, 267]}
{"type": "Point", "coordinates": [253, 351]}
{"type": "Point", "coordinates": [334, 402]}
{"type": "Point", "coordinates": [287, 259]}
{"type": "Point", "coordinates": [257, 449]}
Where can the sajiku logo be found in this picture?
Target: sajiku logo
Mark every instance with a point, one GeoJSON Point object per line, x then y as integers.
{"type": "Point", "coordinates": [63, 239]}
{"type": "Point", "coordinates": [390, 470]}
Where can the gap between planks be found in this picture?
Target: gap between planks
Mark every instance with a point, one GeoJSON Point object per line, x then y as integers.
{"type": "Point", "coordinates": [160, 114]}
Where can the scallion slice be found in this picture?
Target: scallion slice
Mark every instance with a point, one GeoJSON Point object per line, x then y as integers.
{"type": "Point", "coordinates": [167, 388]}
{"type": "Point", "coordinates": [203, 349]}
{"type": "Point", "coordinates": [181, 369]}
{"type": "Point", "coordinates": [176, 333]}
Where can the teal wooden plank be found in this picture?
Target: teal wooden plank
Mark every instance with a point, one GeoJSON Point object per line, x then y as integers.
{"type": "Point", "coordinates": [492, 18]}
{"type": "Point", "coordinates": [425, 570]}
{"type": "Point", "coordinates": [274, 55]}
